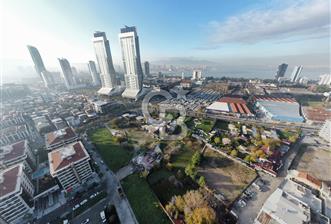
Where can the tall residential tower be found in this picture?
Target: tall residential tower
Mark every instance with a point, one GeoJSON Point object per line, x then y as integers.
{"type": "Point", "coordinates": [40, 67]}
{"type": "Point", "coordinates": [133, 73]}
{"type": "Point", "coordinates": [68, 76]}
{"type": "Point", "coordinates": [296, 73]}
{"type": "Point", "coordinates": [103, 55]}
{"type": "Point", "coordinates": [147, 72]}
{"type": "Point", "coordinates": [94, 73]}
{"type": "Point", "coordinates": [281, 70]}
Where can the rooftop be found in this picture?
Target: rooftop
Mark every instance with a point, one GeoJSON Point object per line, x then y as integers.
{"type": "Point", "coordinates": [12, 151]}
{"type": "Point", "coordinates": [66, 155]}
{"type": "Point", "coordinates": [9, 179]}
{"type": "Point", "coordinates": [60, 135]}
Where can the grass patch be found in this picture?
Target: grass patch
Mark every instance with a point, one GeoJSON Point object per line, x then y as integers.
{"type": "Point", "coordinates": [223, 125]}
{"type": "Point", "coordinates": [114, 155]}
{"type": "Point", "coordinates": [143, 201]}
{"type": "Point", "coordinates": [206, 125]}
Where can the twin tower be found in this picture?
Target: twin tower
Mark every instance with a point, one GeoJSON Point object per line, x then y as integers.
{"type": "Point", "coordinates": [133, 73]}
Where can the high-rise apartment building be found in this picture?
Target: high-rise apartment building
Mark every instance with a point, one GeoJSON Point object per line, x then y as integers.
{"type": "Point", "coordinates": [147, 72]}
{"type": "Point", "coordinates": [105, 62]}
{"type": "Point", "coordinates": [133, 74]}
{"type": "Point", "coordinates": [93, 71]}
{"type": "Point", "coordinates": [16, 195]}
{"type": "Point", "coordinates": [325, 79]}
{"type": "Point", "coordinates": [70, 165]}
{"type": "Point", "coordinates": [296, 73]}
{"type": "Point", "coordinates": [67, 74]}
{"type": "Point", "coordinates": [196, 75]}
{"type": "Point", "coordinates": [40, 67]}
{"type": "Point", "coordinates": [281, 70]}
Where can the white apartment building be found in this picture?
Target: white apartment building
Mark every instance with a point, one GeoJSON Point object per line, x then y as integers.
{"type": "Point", "coordinates": [70, 165]}
{"type": "Point", "coordinates": [296, 73]}
{"type": "Point", "coordinates": [105, 62]}
{"type": "Point", "coordinates": [60, 137]}
{"type": "Point", "coordinates": [19, 152]}
{"type": "Point", "coordinates": [325, 79]}
{"type": "Point", "coordinates": [325, 131]}
{"type": "Point", "coordinates": [196, 75]}
{"type": "Point", "coordinates": [16, 195]}
{"type": "Point", "coordinates": [133, 74]}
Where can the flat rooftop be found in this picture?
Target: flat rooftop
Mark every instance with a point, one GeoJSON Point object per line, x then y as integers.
{"type": "Point", "coordinates": [10, 152]}
{"type": "Point", "coordinates": [9, 179]}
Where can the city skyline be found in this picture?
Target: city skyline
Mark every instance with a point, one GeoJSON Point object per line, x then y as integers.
{"type": "Point", "coordinates": [213, 37]}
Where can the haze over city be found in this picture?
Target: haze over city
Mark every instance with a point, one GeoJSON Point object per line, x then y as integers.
{"type": "Point", "coordinates": [165, 112]}
{"type": "Point", "coordinates": [240, 39]}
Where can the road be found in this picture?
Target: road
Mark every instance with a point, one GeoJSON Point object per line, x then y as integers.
{"type": "Point", "coordinates": [279, 125]}
{"type": "Point", "coordinates": [121, 204]}
{"type": "Point", "coordinates": [251, 210]}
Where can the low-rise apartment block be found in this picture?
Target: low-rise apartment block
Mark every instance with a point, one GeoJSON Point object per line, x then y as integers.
{"type": "Point", "coordinates": [19, 152]}
{"type": "Point", "coordinates": [16, 195]}
{"type": "Point", "coordinates": [70, 165]}
{"type": "Point", "coordinates": [60, 137]}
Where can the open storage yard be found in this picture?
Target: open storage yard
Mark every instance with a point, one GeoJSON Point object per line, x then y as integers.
{"type": "Point", "coordinates": [225, 176]}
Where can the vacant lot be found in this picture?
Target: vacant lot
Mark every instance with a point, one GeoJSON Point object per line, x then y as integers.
{"type": "Point", "coordinates": [316, 162]}
{"type": "Point", "coordinates": [138, 136]}
{"type": "Point", "coordinates": [224, 175]}
{"type": "Point", "coordinates": [114, 155]}
{"type": "Point", "coordinates": [143, 201]}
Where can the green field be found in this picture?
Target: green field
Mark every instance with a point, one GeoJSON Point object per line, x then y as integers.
{"type": "Point", "coordinates": [143, 201]}
{"type": "Point", "coordinates": [206, 125]}
{"type": "Point", "coordinates": [114, 155]}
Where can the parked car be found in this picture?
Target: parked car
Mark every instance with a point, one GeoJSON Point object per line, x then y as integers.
{"type": "Point", "coordinates": [85, 221]}
{"type": "Point", "coordinates": [242, 203]}
{"type": "Point", "coordinates": [120, 191]}
{"type": "Point", "coordinates": [83, 202]}
{"type": "Point", "coordinates": [103, 216]}
{"type": "Point", "coordinates": [75, 207]}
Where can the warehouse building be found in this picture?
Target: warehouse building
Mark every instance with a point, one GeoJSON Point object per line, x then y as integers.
{"type": "Point", "coordinates": [278, 109]}
{"type": "Point", "coordinates": [233, 106]}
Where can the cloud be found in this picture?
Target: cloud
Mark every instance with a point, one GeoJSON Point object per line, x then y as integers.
{"type": "Point", "coordinates": [308, 19]}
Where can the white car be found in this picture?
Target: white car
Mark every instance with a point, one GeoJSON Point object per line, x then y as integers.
{"type": "Point", "coordinates": [75, 207]}
{"type": "Point", "coordinates": [83, 202]}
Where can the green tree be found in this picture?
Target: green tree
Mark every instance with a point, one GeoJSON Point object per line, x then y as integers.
{"type": "Point", "coordinates": [247, 158]}
{"type": "Point", "coordinates": [202, 181]}
{"type": "Point", "coordinates": [196, 158]}
{"type": "Point", "coordinates": [234, 153]}
{"type": "Point", "coordinates": [191, 171]}
{"type": "Point", "coordinates": [217, 140]}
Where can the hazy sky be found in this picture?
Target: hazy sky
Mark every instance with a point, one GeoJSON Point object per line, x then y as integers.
{"type": "Point", "coordinates": [210, 29]}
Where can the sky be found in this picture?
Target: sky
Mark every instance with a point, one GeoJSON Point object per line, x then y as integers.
{"type": "Point", "coordinates": [227, 32]}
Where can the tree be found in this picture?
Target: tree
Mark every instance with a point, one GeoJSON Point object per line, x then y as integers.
{"type": "Point", "coordinates": [247, 158]}
{"type": "Point", "coordinates": [202, 181]}
{"type": "Point", "coordinates": [205, 215]}
{"type": "Point", "coordinates": [180, 203]}
{"type": "Point", "coordinates": [194, 199]}
{"type": "Point", "coordinates": [191, 171]}
{"type": "Point", "coordinates": [196, 158]}
{"type": "Point", "coordinates": [217, 140]}
{"type": "Point", "coordinates": [234, 153]}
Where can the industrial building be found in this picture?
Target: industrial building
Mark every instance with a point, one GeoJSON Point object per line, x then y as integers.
{"type": "Point", "coordinates": [235, 106]}
{"type": "Point", "coordinates": [278, 109]}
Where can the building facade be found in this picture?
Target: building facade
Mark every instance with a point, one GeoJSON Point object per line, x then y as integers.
{"type": "Point", "coordinates": [105, 62]}
{"type": "Point", "coordinates": [296, 73]}
{"type": "Point", "coordinates": [16, 195]}
{"type": "Point", "coordinates": [147, 71]}
{"type": "Point", "coordinates": [67, 74]}
{"type": "Point", "coordinates": [19, 152]}
{"type": "Point", "coordinates": [60, 138]}
{"type": "Point", "coordinates": [325, 131]}
{"type": "Point", "coordinates": [196, 75]}
{"type": "Point", "coordinates": [325, 79]}
{"type": "Point", "coordinates": [70, 165]}
{"type": "Point", "coordinates": [281, 70]}
{"type": "Point", "coordinates": [133, 74]}
{"type": "Point", "coordinates": [95, 75]}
